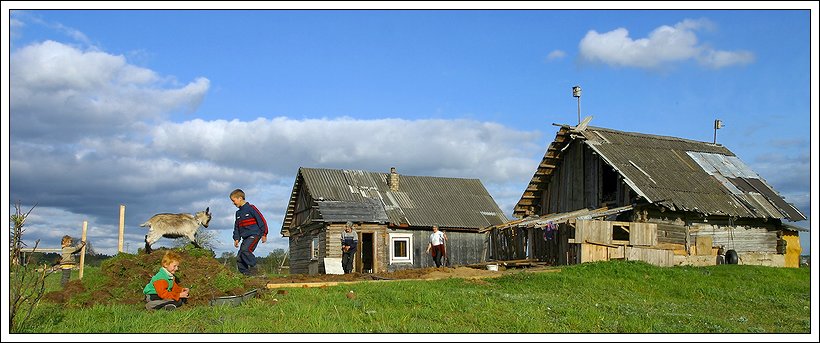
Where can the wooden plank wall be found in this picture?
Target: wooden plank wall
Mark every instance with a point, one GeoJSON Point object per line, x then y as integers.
{"type": "Point", "coordinates": [593, 231]}
{"type": "Point", "coordinates": [741, 239]}
{"type": "Point", "coordinates": [299, 248]}
{"type": "Point", "coordinates": [507, 244]}
{"type": "Point", "coordinates": [305, 209]}
{"type": "Point", "coordinates": [462, 248]}
{"type": "Point", "coordinates": [594, 252]}
{"type": "Point", "coordinates": [575, 182]}
{"type": "Point", "coordinates": [592, 179]}
{"type": "Point", "coordinates": [511, 244]}
{"type": "Point", "coordinates": [643, 234]}
{"type": "Point", "coordinates": [566, 189]}
{"type": "Point", "coordinates": [658, 257]}
{"type": "Point", "coordinates": [669, 233]}
{"type": "Point", "coordinates": [553, 191]}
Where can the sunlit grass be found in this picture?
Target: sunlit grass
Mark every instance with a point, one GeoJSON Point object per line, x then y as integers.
{"type": "Point", "coordinates": [603, 297]}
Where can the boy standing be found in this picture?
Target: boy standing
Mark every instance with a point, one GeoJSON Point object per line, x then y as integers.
{"type": "Point", "coordinates": [250, 226]}
{"type": "Point", "coordinates": [67, 258]}
{"type": "Point", "coordinates": [163, 291]}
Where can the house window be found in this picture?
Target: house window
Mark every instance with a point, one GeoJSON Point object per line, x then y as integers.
{"type": "Point", "coordinates": [401, 248]}
{"type": "Point", "coordinates": [314, 249]}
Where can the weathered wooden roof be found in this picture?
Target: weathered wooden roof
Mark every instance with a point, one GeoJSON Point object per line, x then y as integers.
{"type": "Point", "coordinates": [679, 174]}
{"type": "Point", "coordinates": [362, 196]}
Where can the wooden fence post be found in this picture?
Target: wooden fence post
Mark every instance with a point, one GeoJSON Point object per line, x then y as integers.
{"type": "Point", "coordinates": [122, 227]}
{"type": "Point", "coordinates": [82, 253]}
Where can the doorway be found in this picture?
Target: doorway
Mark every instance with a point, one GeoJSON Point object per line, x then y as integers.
{"type": "Point", "coordinates": [366, 253]}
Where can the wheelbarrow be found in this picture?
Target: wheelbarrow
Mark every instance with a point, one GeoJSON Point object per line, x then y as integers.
{"type": "Point", "coordinates": [234, 300]}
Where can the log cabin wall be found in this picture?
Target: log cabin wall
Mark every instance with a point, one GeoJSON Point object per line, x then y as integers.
{"type": "Point", "coordinates": [300, 245]}
{"type": "Point", "coordinates": [463, 248]}
{"type": "Point", "coordinates": [583, 180]}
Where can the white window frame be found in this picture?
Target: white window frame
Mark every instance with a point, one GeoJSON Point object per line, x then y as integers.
{"type": "Point", "coordinates": [403, 237]}
{"type": "Point", "coordinates": [314, 249]}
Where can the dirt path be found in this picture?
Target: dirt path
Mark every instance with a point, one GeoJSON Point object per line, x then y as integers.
{"type": "Point", "coordinates": [410, 274]}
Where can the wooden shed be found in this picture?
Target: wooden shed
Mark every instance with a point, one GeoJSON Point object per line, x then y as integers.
{"type": "Point", "coordinates": [601, 194]}
{"type": "Point", "coordinates": [393, 216]}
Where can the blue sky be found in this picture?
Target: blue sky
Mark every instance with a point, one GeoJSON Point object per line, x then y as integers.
{"type": "Point", "coordinates": [168, 111]}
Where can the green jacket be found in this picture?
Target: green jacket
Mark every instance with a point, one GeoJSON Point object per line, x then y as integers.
{"type": "Point", "coordinates": [163, 274]}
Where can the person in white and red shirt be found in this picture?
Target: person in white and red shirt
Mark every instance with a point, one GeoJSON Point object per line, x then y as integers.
{"type": "Point", "coordinates": [436, 246]}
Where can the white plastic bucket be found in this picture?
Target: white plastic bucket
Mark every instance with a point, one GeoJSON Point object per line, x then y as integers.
{"type": "Point", "coordinates": [492, 267]}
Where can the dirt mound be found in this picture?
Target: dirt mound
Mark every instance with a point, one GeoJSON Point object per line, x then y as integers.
{"type": "Point", "coordinates": [125, 275]}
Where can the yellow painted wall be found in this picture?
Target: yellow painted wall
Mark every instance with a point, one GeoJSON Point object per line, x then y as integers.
{"type": "Point", "coordinates": [793, 249]}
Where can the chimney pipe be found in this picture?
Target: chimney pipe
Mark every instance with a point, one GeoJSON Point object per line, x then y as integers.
{"type": "Point", "coordinates": [393, 180]}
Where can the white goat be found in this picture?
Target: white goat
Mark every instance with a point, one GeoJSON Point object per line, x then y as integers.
{"type": "Point", "coordinates": [174, 226]}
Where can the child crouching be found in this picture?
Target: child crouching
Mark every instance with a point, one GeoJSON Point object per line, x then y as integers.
{"type": "Point", "coordinates": [163, 291]}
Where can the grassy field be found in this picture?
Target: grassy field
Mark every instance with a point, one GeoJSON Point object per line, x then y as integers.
{"type": "Point", "coordinates": [603, 297]}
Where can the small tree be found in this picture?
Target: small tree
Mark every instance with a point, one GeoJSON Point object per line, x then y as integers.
{"type": "Point", "coordinates": [16, 221]}
{"type": "Point", "coordinates": [206, 239]}
{"type": "Point", "coordinates": [273, 262]}
{"type": "Point", "coordinates": [26, 284]}
{"type": "Point", "coordinates": [227, 258]}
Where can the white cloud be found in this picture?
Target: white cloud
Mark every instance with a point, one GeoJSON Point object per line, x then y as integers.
{"type": "Point", "coordinates": [663, 46]}
{"type": "Point", "coordinates": [556, 54]}
{"type": "Point", "coordinates": [87, 93]}
{"type": "Point", "coordinates": [89, 133]}
{"type": "Point", "coordinates": [719, 59]}
{"type": "Point", "coordinates": [280, 145]}
{"type": "Point", "coordinates": [185, 167]}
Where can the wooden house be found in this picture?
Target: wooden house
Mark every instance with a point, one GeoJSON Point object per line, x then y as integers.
{"type": "Point", "coordinates": [601, 194]}
{"type": "Point", "coordinates": [393, 216]}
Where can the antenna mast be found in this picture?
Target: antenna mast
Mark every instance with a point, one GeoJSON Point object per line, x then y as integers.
{"type": "Point", "coordinates": [576, 92]}
{"type": "Point", "coordinates": [718, 125]}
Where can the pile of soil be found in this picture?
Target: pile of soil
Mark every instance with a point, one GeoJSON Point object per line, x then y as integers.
{"type": "Point", "coordinates": [125, 275]}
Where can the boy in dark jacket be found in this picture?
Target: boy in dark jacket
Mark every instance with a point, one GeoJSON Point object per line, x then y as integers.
{"type": "Point", "coordinates": [249, 226]}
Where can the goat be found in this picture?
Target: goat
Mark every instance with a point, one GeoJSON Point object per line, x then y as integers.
{"type": "Point", "coordinates": [174, 226]}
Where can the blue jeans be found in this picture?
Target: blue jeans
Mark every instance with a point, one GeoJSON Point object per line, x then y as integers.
{"type": "Point", "coordinates": [245, 259]}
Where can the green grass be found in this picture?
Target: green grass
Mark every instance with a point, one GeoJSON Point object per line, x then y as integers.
{"type": "Point", "coordinates": [603, 297]}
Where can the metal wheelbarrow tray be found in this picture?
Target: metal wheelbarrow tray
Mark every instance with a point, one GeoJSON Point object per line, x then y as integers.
{"type": "Point", "coordinates": [234, 300]}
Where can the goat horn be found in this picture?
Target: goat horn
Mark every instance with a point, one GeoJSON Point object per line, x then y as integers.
{"type": "Point", "coordinates": [207, 208]}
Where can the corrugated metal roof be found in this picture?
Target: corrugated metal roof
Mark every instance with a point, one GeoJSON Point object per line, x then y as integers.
{"type": "Point", "coordinates": [684, 175]}
{"type": "Point", "coordinates": [420, 200]}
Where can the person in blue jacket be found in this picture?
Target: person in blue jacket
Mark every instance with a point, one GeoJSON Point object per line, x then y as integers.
{"type": "Point", "coordinates": [350, 241]}
{"type": "Point", "coordinates": [250, 226]}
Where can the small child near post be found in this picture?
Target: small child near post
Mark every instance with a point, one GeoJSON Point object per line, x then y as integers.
{"type": "Point", "coordinates": [163, 292]}
{"type": "Point", "coordinates": [67, 258]}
